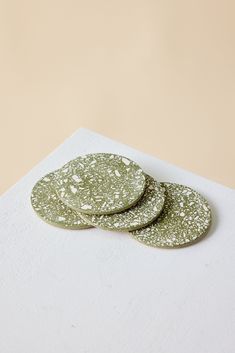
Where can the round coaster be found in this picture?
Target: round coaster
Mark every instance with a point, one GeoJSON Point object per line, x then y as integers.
{"type": "Point", "coordinates": [100, 183]}
{"type": "Point", "coordinates": [185, 218]}
{"type": "Point", "coordinates": [138, 216]}
{"type": "Point", "coordinates": [51, 209]}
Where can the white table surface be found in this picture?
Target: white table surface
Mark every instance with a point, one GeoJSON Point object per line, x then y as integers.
{"type": "Point", "coordinates": [94, 291]}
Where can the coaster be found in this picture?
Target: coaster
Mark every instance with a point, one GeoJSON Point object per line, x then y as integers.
{"type": "Point", "coordinates": [51, 209]}
{"type": "Point", "coordinates": [185, 218]}
{"type": "Point", "coordinates": [144, 212]}
{"type": "Point", "coordinates": [100, 183]}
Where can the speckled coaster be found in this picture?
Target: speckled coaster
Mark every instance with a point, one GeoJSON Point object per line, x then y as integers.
{"type": "Point", "coordinates": [185, 218]}
{"type": "Point", "coordinates": [100, 183]}
{"type": "Point", "coordinates": [51, 209]}
{"type": "Point", "coordinates": [138, 216]}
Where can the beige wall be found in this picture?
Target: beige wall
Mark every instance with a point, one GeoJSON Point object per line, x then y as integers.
{"type": "Point", "coordinates": [157, 75]}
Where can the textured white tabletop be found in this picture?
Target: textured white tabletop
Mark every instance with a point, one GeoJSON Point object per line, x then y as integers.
{"type": "Point", "coordinates": [94, 291]}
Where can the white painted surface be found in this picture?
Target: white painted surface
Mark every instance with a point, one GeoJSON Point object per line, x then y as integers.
{"type": "Point", "coordinates": [94, 291]}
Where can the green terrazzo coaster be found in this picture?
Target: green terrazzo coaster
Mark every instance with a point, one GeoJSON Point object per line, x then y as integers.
{"type": "Point", "coordinates": [185, 218]}
{"type": "Point", "coordinates": [138, 216]}
{"type": "Point", "coordinates": [100, 183]}
{"type": "Point", "coordinates": [51, 209]}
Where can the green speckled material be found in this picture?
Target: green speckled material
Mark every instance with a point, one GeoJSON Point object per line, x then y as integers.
{"type": "Point", "coordinates": [51, 209]}
{"type": "Point", "coordinates": [100, 183]}
{"type": "Point", "coordinates": [185, 219]}
{"type": "Point", "coordinates": [138, 216]}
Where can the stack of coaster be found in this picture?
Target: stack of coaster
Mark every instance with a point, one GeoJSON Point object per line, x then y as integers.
{"type": "Point", "coordinates": [113, 193]}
